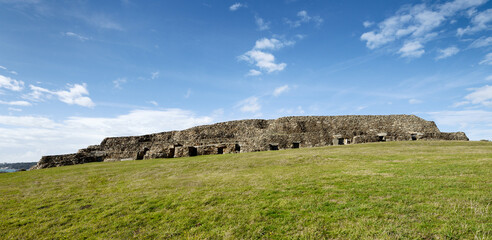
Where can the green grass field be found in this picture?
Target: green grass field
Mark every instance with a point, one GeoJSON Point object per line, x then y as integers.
{"type": "Point", "coordinates": [394, 190]}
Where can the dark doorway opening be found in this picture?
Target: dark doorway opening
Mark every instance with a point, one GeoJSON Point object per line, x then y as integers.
{"type": "Point", "coordinates": [171, 153]}
{"type": "Point", "coordinates": [273, 147]}
{"type": "Point", "coordinates": [220, 150]}
{"type": "Point", "coordinates": [381, 139]}
{"type": "Point", "coordinates": [192, 151]}
{"type": "Point", "coordinates": [414, 137]}
{"type": "Point", "coordinates": [141, 154]}
{"type": "Point", "coordinates": [295, 145]}
{"type": "Point", "coordinates": [237, 148]}
{"type": "Point", "coordinates": [341, 141]}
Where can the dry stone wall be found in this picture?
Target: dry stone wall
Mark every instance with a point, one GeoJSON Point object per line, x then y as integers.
{"type": "Point", "coordinates": [257, 135]}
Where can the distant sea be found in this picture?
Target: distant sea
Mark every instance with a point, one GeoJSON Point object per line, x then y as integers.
{"type": "Point", "coordinates": [14, 167]}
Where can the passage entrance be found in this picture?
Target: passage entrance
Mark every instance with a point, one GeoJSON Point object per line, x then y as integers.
{"type": "Point", "coordinates": [192, 151]}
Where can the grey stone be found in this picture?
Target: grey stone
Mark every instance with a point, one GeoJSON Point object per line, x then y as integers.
{"type": "Point", "coordinates": [257, 135]}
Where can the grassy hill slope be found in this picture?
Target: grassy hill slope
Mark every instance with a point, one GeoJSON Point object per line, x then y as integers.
{"type": "Point", "coordinates": [383, 190]}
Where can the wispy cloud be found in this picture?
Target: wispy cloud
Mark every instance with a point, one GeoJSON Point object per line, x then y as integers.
{"type": "Point", "coordinates": [412, 49]}
{"type": "Point", "coordinates": [480, 21]}
{"type": "Point", "coordinates": [253, 72]}
{"type": "Point", "coordinates": [27, 138]}
{"type": "Point", "coordinates": [188, 93]}
{"type": "Point", "coordinates": [250, 105]}
{"type": "Point", "coordinates": [487, 59]}
{"type": "Point", "coordinates": [154, 75]}
{"type": "Point", "coordinates": [154, 103]}
{"type": "Point", "coordinates": [477, 124]}
{"type": "Point", "coordinates": [6, 69]}
{"type": "Point", "coordinates": [16, 103]}
{"type": "Point", "coordinates": [414, 101]}
{"type": "Point", "coordinates": [236, 6]}
{"type": "Point", "coordinates": [14, 109]}
{"type": "Point", "coordinates": [118, 82]}
{"type": "Point", "coordinates": [481, 42]}
{"type": "Point", "coordinates": [98, 20]}
{"type": "Point", "coordinates": [282, 89]}
{"type": "Point", "coordinates": [262, 24]}
{"type": "Point", "coordinates": [481, 96]}
{"type": "Point", "coordinates": [272, 44]}
{"type": "Point", "coordinates": [416, 24]}
{"type": "Point", "coordinates": [367, 24]}
{"type": "Point", "coordinates": [75, 95]}
{"type": "Point", "coordinates": [76, 36]}
{"type": "Point", "coordinates": [447, 52]}
{"type": "Point", "coordinates": [11, 84]}
{"type": "Point", "coordinates": [304, 17]}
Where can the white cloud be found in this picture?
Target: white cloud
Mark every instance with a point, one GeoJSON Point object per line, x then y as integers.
{"type": "Point", "coordinates": [291, 111]}
{"type": "Point", "coordinates": [480, 21]}
{"type": "Point", "coordinates": [250, 104]}
{"type": "Point", "coordinates": [262, 25]}
{"type": "Point", "coordinates": [459, 104]}
{"type": "Point", "coordinates": [303, 17]}
{"type": "Point", "coordinates": [154, 103]}
{"type": "Point", "coordinates": [272, 44]}
{"type": "Point", "coordinates": [488, 78]}
{"type": "Point", "coordinates": [487, 59]}
{"type": "Point", "coordinates": [414, 101]}
{"type": "Point", "coordinates": [101, 21]}
{"type": "Point", "coordinates": [236, 6]}
{"type": "Point", "coordinates": [447, 52]}
{"type": "Point", "coordinates": [11, 84]}
{"type": "Point", "coordinates": [367, 24]}
{"type": "Point", "coordinates": [154, 75]}
{"type": "Point", "coordinates": [477, 124]}
{"type": "Point", "coordinates": [15, 109]}
{"type": "Point", "coordinates": [26, 121]}
{"type": "Point", "coordinates": [75, 95]}
{"type": "Point", "coordinates": [118, 82]}
{"type": "Point", "coordinates": [6, 69]}
{"type": "Point", "coordinates": [27, 138]}
{"type": "Point", "coordinates": [188, 93]}
{"type": "Point", "coordinates": [416, 23]}
{"type": "Point", "coordinates": [481, 95]}
{"type": "Point", "coordinates": [412, 49]}
{"type": "Point", "coordinates": [481, 42]}
{"type": "Point", "coordinates": [75, 35]}
{"type": "Point", "coordinates": [253, 72]}
{"type": "Point", "coordinates": [16, 103]}
{"type": "Point", "coordinates": [263, 60]}
{"type": "Point", "coordinates": [280, 90]}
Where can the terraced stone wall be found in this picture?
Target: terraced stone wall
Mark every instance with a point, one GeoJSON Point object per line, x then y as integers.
{"type": "Point", "coordinates": [258, 135]}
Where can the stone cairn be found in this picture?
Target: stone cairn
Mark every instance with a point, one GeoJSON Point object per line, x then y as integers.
{"type": "Point", "coordinates": [257, 135]}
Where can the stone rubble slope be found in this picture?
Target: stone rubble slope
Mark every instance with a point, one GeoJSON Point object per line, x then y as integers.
{"type": "Point", "coordinates": [257, 135]}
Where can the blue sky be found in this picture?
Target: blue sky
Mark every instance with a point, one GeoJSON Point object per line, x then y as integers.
{"type": "Point", "coordinates": [74, 72]}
